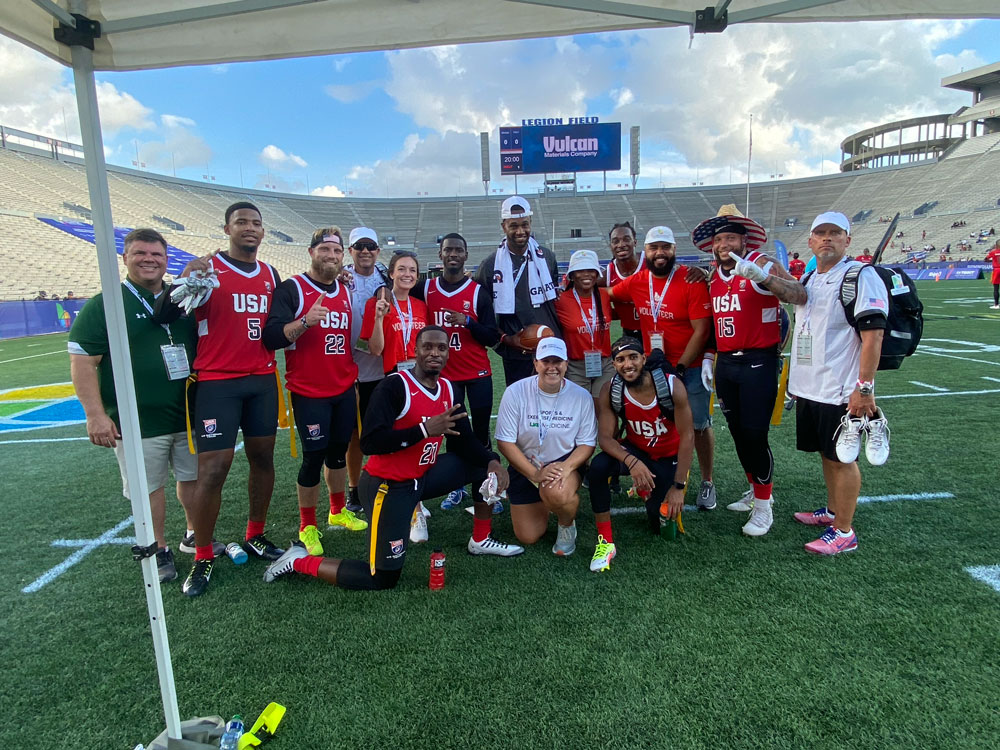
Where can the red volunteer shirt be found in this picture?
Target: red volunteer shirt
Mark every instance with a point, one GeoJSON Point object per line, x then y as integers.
{"type": "Point", "coordinates": [396, 349]}
{"type": "Point", "coordinates": [571, 320]}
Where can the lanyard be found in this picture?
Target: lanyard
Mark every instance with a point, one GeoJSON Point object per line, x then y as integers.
{"type": "Point", "coordinates": [520, 271]}
{"type": "Point", "coordinates": [164, 326]}
{"type": "Point", "coordinates": [543, 427]}
{"type": "Point", "coordinates": [654, 303]}
{"type": "Point", "coordinates": [589, 323]}
{"type": "Point", "coordinates": [405, 323]}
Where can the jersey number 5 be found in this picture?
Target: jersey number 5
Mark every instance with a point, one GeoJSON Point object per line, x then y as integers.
{"type": "Point", "coordinates": [253, 329]}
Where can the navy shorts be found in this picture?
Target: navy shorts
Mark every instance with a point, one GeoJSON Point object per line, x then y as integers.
{"type": "Point", "coordinates": [522, 491]}
{"type": "Point", "coordinates": [223, 407]}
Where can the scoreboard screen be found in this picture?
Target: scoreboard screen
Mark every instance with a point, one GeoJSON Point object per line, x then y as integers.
{"type": "Point", "coordinates": [561, 148]}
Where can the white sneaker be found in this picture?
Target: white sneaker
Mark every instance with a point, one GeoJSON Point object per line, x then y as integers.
{"type": "Point", "coordinates": [848, 437]}
{"type": "Point", "coordinates": [760, 519]}
{"type": "Point", "coordinates": [995, 307]}
{"type": "Point", "coordinates": [877, 441]}
{"type": "Point", "coordinates": [418, 526]}
{"type": "Point", "coordinates": [744, 504]}
{"type": "Point", "coordinates": [565, 541]}
{"type": "Point", "coordinates": [491, 546]}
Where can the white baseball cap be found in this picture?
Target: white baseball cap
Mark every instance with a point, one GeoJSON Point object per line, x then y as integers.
{"type": "Point", "coordinates": [551, 347]}
{"type": "Point", "coordinates": [362, 233]}
{"type": "Point", "coordinates": [584, 260]}
{"type": "Point", "coordinates": [515, 200]}
{"type": "Point", "coordinates": [832, 217]}
{"type": "Point", "coordinates": [660, 234]}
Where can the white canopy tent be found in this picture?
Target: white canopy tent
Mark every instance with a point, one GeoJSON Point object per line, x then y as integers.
{"type": "Point", "coordinates": [118, 35]}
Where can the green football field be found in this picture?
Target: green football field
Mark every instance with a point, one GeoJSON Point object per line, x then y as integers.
{"type": "Point", "coordinates": [712, 641]}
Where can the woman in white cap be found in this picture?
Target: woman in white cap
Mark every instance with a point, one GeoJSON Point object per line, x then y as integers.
{"type": "Point", "coordinates": [585, 318]}
{"type": "Point", "coordinates": [547, 430]}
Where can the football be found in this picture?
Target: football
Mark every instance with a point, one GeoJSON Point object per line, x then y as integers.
{"type": "Point", "coordinates": [531, 334]}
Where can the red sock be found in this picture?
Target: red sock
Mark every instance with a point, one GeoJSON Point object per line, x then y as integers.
{"type": "Point", "coordinates": [762, 491]}
{"type": "Point", "coordinates": [604, 529]}
{"type": "Point", "coordinates": [749, 477]}
{"type": "Point", "coordinates": [481, 528]}
{"type": "Point", "coordinates": [204, 553]}
{"type": "Point", "coordinates": [307, 565]}
{"type": "Point", "coordinates": [254, 528]}
{"type": "Point", "coordinates": [336, 502]}
{"type": "Point", "coordinates": [307, 517]}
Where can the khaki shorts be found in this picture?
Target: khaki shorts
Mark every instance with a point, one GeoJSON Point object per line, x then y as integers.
{"type": "Point", "coordinates": [576, 373]}
{"type": "Point", "coordinates": [161, 452]}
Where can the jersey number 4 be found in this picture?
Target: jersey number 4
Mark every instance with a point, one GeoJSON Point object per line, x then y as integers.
{"type": "Point", "coordinates": [429, 456]}
{"type": "Point", "coordinates": [455, 342]}
{"type": "Point", "coordinates": [725, 328]}
{"type": "Point", "coordinates": [335, 343]}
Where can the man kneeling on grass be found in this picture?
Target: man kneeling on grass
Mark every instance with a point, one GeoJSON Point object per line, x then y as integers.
{"type": "Point", "coordinates": [410, 413]}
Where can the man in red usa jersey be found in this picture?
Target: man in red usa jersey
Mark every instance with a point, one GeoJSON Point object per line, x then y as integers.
{"type": "Point", "coordinates": [311, 320]}
{"type": "Point", "coordinates": [236, 389]}
{"type": "Point", "coordinates": [656, 450]}
{"type": "Point", "coordinates": [624, 263]}
{"type": "Point", "coordinates": [994, 257]}
{"type": "Point", "coordinates": [410, 413]}
{"type": "Point", "coordinates": [747, 289]}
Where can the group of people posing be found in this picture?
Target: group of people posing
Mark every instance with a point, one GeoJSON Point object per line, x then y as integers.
{"type": "Point", "coordinates": [380, 364]}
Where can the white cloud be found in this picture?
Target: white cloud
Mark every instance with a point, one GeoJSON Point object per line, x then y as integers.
{"type": "Point", "coordinates": [121, 110]}
{"type": "Point", "coordinates": [275, 158]}
{"type": "Point", "coordinates": [180, 146]}
{"type": "Point", "coordinates": [176, 121]}
{"type": "Point", "coordinates": [351, 92]}
{"type": "Point", "coordinates": [328, 191]}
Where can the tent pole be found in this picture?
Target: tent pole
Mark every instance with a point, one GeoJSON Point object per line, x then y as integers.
{"type": "Point", "coordinates": [107, 260]}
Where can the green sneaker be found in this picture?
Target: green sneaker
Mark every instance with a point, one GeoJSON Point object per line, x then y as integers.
{"type": "Point", "coordinates": [310, 536]}
{"type": "Point", "coordinates": [346, 520]}
{"type": "Point", "coordinates": [603, 555]}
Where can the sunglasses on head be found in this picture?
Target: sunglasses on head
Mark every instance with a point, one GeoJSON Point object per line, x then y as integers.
{"type": "Point", "coordinates": [369, 246]}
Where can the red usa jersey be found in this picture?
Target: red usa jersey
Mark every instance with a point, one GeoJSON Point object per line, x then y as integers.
{"type": "Point", "coordinates": [319, 364]}
{"type": "Point", "coordinates": [994, 257]}
{"type": "Point", "coordinates": [745, 314]}
{"type": "Point", "coordinates": [230, 323]}
{"type": "Point", "coordinates": [647, 429]}
{"type": "Point", "coordinates": [415, 460]}
{"type": "Point", "coordinates": [467, 359]}
{"type": "Point", "coordinates": [395, 348]}
{"type": "Point", "coordinates": [623, 311]}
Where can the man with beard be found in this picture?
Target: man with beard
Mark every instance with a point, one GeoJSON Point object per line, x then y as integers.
{"type": "Point", "coordinates": [311, 321]}
{"type": "Point", "coordinates": [624, 263]}
{"type": "Point", "coordinates": [675, 317]}
{"type": "Point", "coordinates": [410, 413]}
{"type": "Point", "coordinates": [746, 290]}
{"type": "Point", "coordinates": [656, 450]}
{"type": "Point", "coordinates": [521, 280]}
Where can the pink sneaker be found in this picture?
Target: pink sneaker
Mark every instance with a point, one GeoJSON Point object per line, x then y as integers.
{"type": "Point", "coordinates": [831, 543]}
{"type": "Point", "coordinates": [821, 517]}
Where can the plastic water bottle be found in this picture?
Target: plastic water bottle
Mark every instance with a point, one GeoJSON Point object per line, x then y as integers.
{"type": "Point", "coordinates": [234, 730]}
{"type": "Point", "coordinates": [236, 553]}
{"type": "Point", "coordinates": [437, 570]}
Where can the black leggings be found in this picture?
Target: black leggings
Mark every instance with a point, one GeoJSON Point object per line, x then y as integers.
{"type": "Point", "coordinates": [604, 468]}
{"type": "Point", "coordinates": [480, 404]}
{"type": "Point", "coordinates": [747, 386]}
{"type": "Point", "coordinates": [996, 294]}
{"type": "Point", "coordinates": [312, 463]}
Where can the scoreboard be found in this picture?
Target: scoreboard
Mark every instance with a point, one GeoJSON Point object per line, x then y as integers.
{"type": "Point", "coordinates": [533, 149]}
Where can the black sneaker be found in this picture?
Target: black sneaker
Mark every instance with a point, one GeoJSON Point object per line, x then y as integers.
{"type": "Point", "coordinates": [197, 580]}
{"type": "Point", "coordinates": [353, 504]}
{"type": "Point", "coordinates": [261, 547]}
{"type": "Point", "coordinates": [187, 545]}
{"type": "Point", "coordinates": [165, 564]}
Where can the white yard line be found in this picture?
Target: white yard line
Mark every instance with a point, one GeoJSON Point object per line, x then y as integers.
{"type": "Point", "coordinates": [988, 574]}
{"type": "Point", "coordinates": [955, 356]}
{"type": "Point", "coordinates": [912, 496]}
{"type": "Point", "coordinates": [928, 385]}
{"type": "Point", "coordinates": [86, 547]}
{"type": "Point", "coordinates": [32, 356]}
{"type": "Point", "coordinates": [949, 393]}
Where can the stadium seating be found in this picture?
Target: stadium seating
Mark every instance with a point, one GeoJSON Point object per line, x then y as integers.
{"type": "Point", "coordinates": [963, 184]}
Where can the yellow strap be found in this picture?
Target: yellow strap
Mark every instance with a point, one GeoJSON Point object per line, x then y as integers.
{"type": "Point", "coordinates": [376, 512]}
{"type": "Point", "coordinates": [779, 402]}
{"type": "Point", "coordinates": [357, 407]}
{"type": "Point", "coordinates": [291, 420]}
{"type": "Point", "coordinates": [192, 379]}
{"type": "Point", "coordinates": [283, 410]}
{"type": "Point", "coordinates": [680, 523]}
{"type": "Point", "coordinates": [712, 394]}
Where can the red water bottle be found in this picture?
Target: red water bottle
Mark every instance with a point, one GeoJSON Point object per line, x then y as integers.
{"type": "Point", "coordinates": [437, 570]}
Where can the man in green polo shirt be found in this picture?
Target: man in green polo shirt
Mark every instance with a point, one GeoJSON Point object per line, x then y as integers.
{"type": "Point", "coordinates": [161, 357]}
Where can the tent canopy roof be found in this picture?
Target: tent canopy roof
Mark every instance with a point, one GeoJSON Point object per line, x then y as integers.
{"type": "Point", "coordinates": [138, 34]}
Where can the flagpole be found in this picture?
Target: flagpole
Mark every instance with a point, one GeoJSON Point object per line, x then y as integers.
{"type": "Point", "coordinates": [749, 158]}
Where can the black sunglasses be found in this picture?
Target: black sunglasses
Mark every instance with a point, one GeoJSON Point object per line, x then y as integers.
{"type": "Point", "coordinates": [369, 246]}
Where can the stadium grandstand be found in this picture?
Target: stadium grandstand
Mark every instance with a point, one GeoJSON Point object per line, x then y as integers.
{"type": "Point", "coordinates": [44, 213]}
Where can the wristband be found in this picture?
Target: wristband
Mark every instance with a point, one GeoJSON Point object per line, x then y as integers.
{"type": "Point", "coordinates": [305, 325]}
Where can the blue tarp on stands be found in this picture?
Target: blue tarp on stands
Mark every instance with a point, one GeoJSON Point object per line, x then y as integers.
{"type": "Point", "coordinates": [30, 318]}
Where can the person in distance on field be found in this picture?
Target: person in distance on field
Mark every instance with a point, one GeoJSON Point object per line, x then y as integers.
{"type": "Point", "coordinates": [160, 357]}
{"type": "Point", "coordinates": [993, 256]}
{"type": "Point", "coordinates": [410, 413]}
{"type": "Point", "coordinates": [832, 376]}
{"type": "Point", "coordinates": [311, 320]}
{"type": "Point", "coordinates": [521, 277]}
{"type": "Point", "coordinates": [656, 449]}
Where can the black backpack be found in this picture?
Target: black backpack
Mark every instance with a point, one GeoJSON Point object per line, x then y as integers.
{"type": "Point", "coordinates": [663, 396]}
{"type": "Point", "coordinates": [905, 322]}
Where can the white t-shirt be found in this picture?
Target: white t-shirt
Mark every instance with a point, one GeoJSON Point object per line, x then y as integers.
{"type": "Point", "coordinates": [567, 419]}
{"type": "Point", "coordinates": [831, 373]}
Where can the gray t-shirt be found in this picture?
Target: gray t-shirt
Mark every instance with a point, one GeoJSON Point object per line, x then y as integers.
{"type": "Point", "coordinates": [363, 289]}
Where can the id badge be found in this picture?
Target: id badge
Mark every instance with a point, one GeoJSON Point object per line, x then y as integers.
{"type": "Point", "coordinates": [804, 349]}
{"type": "Point", "coordinates": [362, 346]}
{"type": "Point", "coordinates": [656, 341]}
{"type": "Point", "coordinates": [406, 364]}
{"type": "Point", "coordinates": [176, 361]}
{"type": "Point", "coordinates": [592, 364]}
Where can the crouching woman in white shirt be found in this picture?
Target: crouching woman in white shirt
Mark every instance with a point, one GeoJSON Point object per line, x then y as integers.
{"type": "Point", "coordinates": [546, 429]}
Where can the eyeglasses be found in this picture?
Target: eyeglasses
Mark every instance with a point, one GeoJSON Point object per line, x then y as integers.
{"type": "Point", "coordinates": [369, 246]}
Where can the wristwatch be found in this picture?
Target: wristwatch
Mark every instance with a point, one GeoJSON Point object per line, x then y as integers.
{"type": "Point", "coordinates": [680, 486]}
{"type": "Point", "coordinates": [680, 369]}
{"type": "Point", "coordinates": [302, 320]}
{"type": "Point", "coordinates": [866, 387]}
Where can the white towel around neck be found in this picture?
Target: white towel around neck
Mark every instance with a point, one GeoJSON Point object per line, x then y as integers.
{"type": "Point", "coordinates": [540, 285]}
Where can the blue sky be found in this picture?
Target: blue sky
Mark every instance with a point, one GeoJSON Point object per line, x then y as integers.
{"type": "Point", "coordinates": [406, 123]}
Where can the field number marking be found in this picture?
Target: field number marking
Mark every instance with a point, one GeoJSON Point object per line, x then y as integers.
{"type": "Point", "coordinates": [86, 547]}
